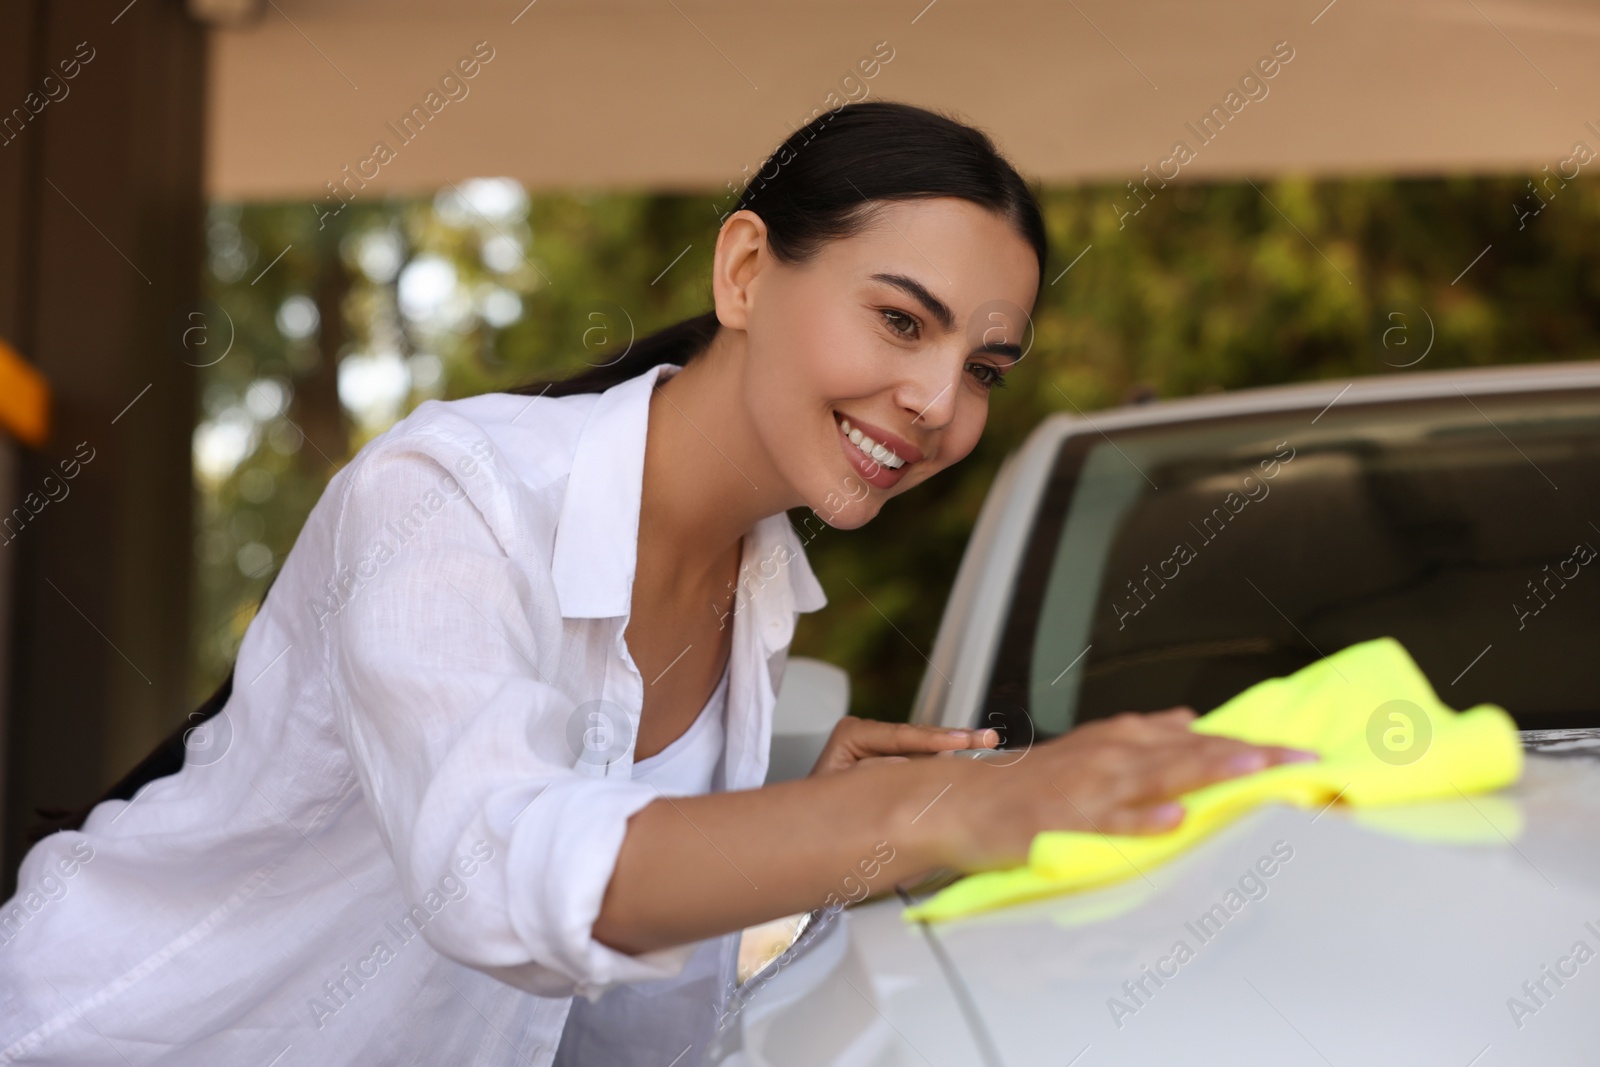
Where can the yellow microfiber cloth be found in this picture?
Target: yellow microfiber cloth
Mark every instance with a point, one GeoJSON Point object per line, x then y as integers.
{"type": "Point", "coordinates": [1383, 736]}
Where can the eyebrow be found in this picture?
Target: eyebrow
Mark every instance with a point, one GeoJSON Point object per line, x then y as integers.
{"type": "Point", "coordinates": [936, 307]}
{"type": "Point", "coordinates": [941, 311]}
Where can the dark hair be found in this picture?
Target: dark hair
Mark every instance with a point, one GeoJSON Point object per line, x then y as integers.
{"type": "Point", "coordinates": [819, 185]}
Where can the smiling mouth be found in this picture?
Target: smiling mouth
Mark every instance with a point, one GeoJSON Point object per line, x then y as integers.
{"type": "Point", "coordinates": [879, 453]}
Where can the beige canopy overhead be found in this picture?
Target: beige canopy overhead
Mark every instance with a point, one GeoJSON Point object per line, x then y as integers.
{"type": "Point", "coordinates": [689, 93]}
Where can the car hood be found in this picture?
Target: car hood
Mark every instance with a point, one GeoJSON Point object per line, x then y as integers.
{"type": "Point", "coordinates": [1459, 932]}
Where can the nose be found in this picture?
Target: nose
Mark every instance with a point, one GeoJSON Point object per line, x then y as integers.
{"type": "Point", "coordinates": [930, 392]}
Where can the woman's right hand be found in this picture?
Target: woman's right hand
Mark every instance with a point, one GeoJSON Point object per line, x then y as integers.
{"type": "Point", "coordinates": [695, 867]}
{"type": "Point", "coordinates": [1114, 776]}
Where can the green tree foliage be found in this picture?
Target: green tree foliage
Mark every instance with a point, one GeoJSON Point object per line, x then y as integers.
{"type": "Point", "coordinates": [1188, 289]}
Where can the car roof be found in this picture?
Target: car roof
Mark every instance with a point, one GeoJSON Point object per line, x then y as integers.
{"type": "Point", "coordinates": [1382, 388]}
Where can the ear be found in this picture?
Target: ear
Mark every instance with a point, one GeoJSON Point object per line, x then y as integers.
{"type": "Point", "coordinates": [740, 256]}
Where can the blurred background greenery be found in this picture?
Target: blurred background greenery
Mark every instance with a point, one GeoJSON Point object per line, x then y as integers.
{"type": "Point", "coordinates": [1207, 287]}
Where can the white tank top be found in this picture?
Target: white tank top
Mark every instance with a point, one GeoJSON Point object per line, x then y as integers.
{"type": "Point", "coordinates": [688, 765]}
{"type": "Point", "coordinates": [632, 1025]}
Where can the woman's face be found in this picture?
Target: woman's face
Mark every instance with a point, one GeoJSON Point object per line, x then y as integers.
{"type": "Point", "coordinates": [894, 335]}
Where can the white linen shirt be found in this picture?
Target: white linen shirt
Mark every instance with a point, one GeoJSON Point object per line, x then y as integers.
{"type": "Point", "coordinates": [392, 844]}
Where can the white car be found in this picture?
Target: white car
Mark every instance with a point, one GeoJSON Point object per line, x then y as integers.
{"type": "Point", "coordinates": [1458, 512]}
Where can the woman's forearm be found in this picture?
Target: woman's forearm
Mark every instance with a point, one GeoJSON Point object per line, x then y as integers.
{"type": "Point", "coordinates": [694, 867]}
{"type": "Point", "coordinates": [698, 866]}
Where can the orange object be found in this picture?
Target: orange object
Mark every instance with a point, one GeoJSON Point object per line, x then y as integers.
{"type": "Point", "coordinates": [24, 398]}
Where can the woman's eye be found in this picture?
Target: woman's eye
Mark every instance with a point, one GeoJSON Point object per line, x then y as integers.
{"type": "Point", "coordinates": [987, 375]}
{"type": "Point", "coordinates": [902, 324]}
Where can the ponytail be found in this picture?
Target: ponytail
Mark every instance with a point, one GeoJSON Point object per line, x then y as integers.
{"type": "Point", "coordinates": [678, 343]}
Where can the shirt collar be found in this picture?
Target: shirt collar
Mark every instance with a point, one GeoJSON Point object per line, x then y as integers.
{"type": "Point", "coordinates": [597, 534]}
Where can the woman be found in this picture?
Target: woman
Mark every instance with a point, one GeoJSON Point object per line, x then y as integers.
{"type": "Point", "coordinates": [500, 727]}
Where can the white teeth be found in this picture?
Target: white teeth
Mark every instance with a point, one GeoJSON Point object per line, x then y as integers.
{"type": "Point", "coordinates": [879, 453]}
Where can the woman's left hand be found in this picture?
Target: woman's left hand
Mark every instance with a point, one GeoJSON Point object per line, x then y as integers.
{"type": "Point", "coordinates": [859, 742]}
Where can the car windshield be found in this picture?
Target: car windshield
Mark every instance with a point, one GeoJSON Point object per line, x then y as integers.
{"type": "Point", "coordinates": [1180, 564]}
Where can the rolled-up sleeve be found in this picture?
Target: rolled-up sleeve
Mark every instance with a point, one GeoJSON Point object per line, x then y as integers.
{"type": "Point", "coordinates": [503, 845]}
